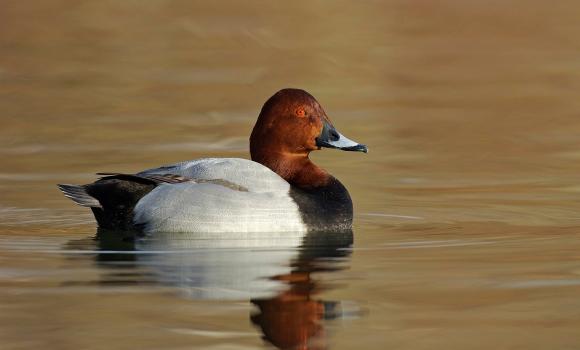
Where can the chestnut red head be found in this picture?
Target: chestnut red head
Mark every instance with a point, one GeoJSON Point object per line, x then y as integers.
{"type": "Point", "coordinates": [292, 122]}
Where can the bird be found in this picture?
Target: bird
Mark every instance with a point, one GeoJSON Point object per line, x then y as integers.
{"type": "Point", "coordinates": [279, 190]}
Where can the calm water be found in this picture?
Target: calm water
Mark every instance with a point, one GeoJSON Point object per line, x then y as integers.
{"type": "Point", "coordinates": [467, 206]}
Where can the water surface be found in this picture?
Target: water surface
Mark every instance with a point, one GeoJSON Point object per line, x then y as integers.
{"type": "Point", "coordinates": [466, 206]}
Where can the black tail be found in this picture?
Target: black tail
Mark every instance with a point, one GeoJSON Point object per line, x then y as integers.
{"type": "Point", "coordinates": [112, 199]}
{"type": "Point", "coordinates": [79, 195]}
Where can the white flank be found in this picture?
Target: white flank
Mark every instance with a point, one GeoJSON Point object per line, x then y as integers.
{"type": "Point", "coordinates": [208, 207]}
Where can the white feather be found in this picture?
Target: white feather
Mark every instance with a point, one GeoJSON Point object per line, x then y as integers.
{"type": "Point", "coordinates": [207, 207]}
{"type": "Point", "coordinates": [243, 172]}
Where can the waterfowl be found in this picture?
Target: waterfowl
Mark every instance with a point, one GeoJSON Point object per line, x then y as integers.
{"type": "Point", "coordinates": [279, 190]}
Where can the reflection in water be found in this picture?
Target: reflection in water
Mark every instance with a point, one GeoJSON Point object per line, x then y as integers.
{"type": "Point", "coordinates": [273, 271]}
{"type": "Point", "coordinates": [292, 319]}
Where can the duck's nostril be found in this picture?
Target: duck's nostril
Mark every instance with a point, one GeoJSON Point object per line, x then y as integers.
{"type": "Point", "coordinates": [334, 136]}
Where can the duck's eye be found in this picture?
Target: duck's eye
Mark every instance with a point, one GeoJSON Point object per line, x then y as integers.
{"type": "Point", "coordinates": [301, 112]}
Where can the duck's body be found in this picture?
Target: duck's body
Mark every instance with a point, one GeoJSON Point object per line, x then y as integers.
{"type": "Point", "coordinates": [279, 190]}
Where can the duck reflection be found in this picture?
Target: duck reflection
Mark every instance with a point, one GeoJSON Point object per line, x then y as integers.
{"type": "Point", "coordinates": [273, 271]}
{"type": "Point", "coordinates": [293, 319]}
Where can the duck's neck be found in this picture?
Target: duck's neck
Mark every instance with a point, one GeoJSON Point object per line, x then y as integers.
{"type": "Point", "coordinates": [296, 168]}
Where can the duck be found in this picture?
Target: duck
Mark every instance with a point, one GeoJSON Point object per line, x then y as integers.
{"type": "Point", "coordinates": [279, 190]}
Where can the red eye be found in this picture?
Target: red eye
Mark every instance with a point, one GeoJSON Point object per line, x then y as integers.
{"type": "Point", "coordinates": [300, 112]}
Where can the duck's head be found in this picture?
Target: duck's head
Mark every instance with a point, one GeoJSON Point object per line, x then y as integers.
{"type": "Point", "coordinates": [290, 126]}
{"type": "Point", "coordinates": [293, 123]}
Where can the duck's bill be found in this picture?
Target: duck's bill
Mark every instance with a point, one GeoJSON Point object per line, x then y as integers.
{"type": "Point", "coordinates": [330, 138]}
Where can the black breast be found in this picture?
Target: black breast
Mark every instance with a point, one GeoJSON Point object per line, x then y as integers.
{"type": "Point", "coordinates": [327, 208]}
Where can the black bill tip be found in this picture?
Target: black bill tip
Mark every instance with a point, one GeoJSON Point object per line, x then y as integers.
{"type": "Point", "coordinates": [357, 148]}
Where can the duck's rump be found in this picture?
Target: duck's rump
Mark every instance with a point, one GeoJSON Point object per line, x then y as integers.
{"type": "Point", "coordinates": [111, 198]}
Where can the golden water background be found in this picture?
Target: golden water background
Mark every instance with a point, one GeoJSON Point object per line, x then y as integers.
{"type": "Point", "coordinates": [467, 206]}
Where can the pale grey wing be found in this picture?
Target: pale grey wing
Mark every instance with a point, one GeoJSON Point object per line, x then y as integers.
{"type": "Point", "coordinates": [209, 207]}
{"type": "Point", "coordinates": [242, 172]}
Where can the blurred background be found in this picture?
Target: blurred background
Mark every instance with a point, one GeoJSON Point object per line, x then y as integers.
{"type": "Point", "coordinates": [466, 205]}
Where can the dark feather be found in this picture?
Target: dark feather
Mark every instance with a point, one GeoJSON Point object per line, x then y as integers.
{"type": "Point", "coordinates": [147, 178]}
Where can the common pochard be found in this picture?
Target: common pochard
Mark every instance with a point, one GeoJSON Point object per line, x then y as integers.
{"type": "Point", "coordinates": [280, 189]}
